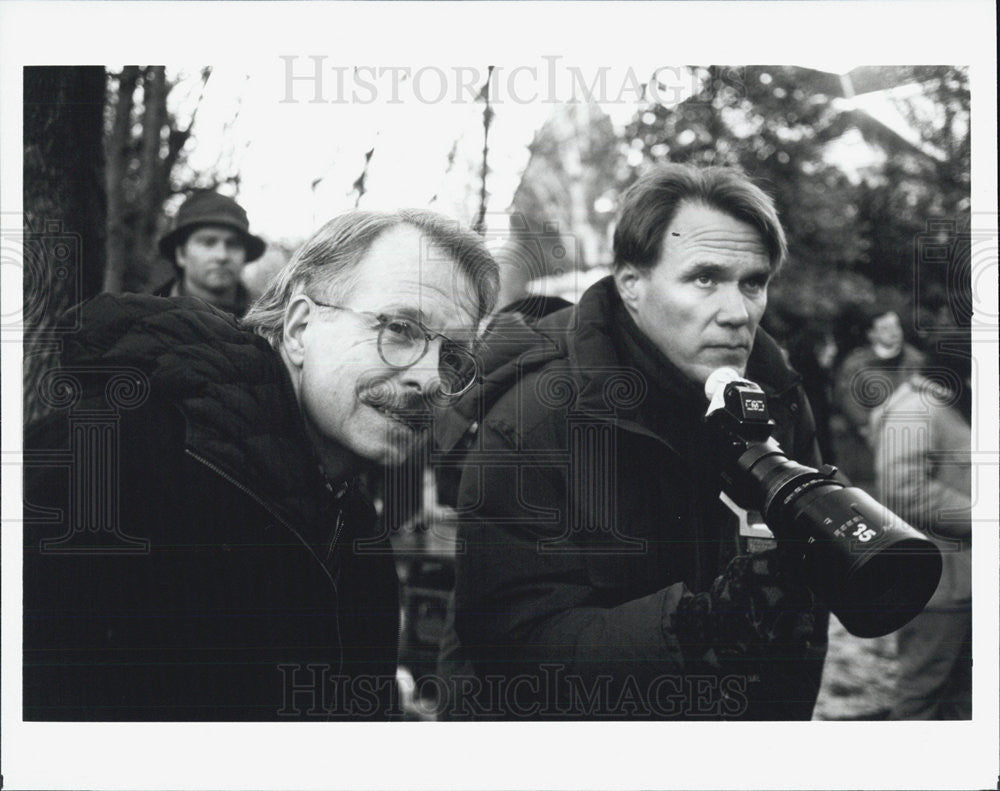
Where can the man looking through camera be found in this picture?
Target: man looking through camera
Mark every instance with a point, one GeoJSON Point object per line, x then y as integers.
{"type": "Point", "coordinates": [601, 575]}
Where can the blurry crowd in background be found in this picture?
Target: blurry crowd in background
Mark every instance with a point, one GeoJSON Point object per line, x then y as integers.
{"type": "Point", "coordinates": [870, 172]}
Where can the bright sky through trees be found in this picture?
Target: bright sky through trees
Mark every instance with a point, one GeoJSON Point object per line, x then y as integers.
{"type": "Point", "coordinates": [298, 160]}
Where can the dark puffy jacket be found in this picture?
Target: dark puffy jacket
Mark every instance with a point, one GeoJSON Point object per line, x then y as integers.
{"type": "Point", "coordinates": [184, 558]}
{"type": "Point", "coordinates": [582, 527]}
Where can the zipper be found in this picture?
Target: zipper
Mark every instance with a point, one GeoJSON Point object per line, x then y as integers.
{"type": "Point", "coordinates": [284, 523]}
{"type": "Point", "coordinates": [263, 504]}
{"type": "Point", "coordinates": [338, 526]}
{"type": "Point", "coordinates": [247, 491]}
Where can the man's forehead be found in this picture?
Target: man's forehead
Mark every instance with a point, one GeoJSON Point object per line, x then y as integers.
{"type": "Point", "coordinates": [698, 227]}
{"type": "Point", "coordinates": [436, 295]}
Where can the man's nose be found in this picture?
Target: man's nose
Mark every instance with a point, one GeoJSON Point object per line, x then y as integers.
{"type": "Point", "coordinates": [424, 375]}
{"type": "Point", "coordinates": [733, 306]}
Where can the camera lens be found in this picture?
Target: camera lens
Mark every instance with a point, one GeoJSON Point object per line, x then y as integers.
{"type": "Point", "coordinates": [873, 571]}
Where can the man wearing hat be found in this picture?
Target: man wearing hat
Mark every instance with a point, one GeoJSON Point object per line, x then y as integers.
{"type": "Point", "coordinates": [209, 246]}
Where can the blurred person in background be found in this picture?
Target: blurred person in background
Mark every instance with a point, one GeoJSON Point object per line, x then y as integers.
{"type": "Point", "coordinates": [811, 352]}
{"type": "Point", "coordinates": [225, 562]}
{"type": "Point", "coordinates": [209, 245]}
{"type": "Point", "coordinates": [922, 441]}
{"type": "Point", "coordinates": [864, 380]}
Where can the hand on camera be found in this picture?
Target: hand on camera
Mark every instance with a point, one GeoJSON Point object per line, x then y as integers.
{"type": "Point", "coordinates": [754, 607]}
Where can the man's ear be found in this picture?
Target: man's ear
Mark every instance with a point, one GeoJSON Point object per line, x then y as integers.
{"type": "Point", "coordinates": [630, 283]}
{"type": "Point", "coordinates": [298, 313]}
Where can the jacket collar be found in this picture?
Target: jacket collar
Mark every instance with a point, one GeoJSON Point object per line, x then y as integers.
{"type": "Point", "coordinates": [510, 348]}
{"type": "Point", "coordinates": [175, 288]}
{"type": "Point", "coordinates": [597, 351]}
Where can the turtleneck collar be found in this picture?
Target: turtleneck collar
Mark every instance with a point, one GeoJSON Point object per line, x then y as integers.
{"type": "Point", "coordinates": [654, 364]}
{"type": "Point", "coordinates": [674, 407]}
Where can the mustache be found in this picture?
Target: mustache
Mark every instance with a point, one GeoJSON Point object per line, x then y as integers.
{"type": "Point", "coordinates": [411, 405]}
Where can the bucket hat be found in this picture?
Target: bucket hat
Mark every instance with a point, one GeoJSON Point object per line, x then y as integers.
{"type": "Point", "coordinates": [211, 208]}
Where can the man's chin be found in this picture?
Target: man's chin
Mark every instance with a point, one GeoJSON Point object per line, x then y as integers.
{"type": "Point", "coordinates": [722, 358]}
{"type": "Point", "coordinates": [699, 373]}
{"type": "Point", "coordinates": [399, 441]}
{"type": "Point", "coordinates": [220, 285]}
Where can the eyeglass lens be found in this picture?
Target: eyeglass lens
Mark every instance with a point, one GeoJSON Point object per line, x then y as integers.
{"type": "Point", "coordinates": [404, 343]}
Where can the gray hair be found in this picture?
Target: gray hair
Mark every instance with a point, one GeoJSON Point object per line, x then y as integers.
{"type": "Point", "coordinates": [329, 261]}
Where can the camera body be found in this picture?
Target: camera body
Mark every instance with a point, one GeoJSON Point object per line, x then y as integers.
{"type": "Point", "coordinates": [873, 570]}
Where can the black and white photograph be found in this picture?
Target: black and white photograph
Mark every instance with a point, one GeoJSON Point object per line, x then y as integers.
{"type": "Point", "coordinates": [499, 395]}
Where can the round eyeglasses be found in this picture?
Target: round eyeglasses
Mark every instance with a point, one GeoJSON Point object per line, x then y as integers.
{"type": "Point", "coordinates": [404, 341]}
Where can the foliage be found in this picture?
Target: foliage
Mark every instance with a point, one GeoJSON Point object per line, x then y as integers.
{"type": "Point", "coordinates": [848, 232]}
{"type": "Point", "coordinates": [570, 170]}
{"type": "Point", "coordinates": [144, 144]}
{"type": "Point", "coordinates": [774, 125]}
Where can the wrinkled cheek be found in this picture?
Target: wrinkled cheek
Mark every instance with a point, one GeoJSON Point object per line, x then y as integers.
{"type": "Point", "coordinates": [327, 407]}
{"type": "Point", "coordinates": [377, 438]}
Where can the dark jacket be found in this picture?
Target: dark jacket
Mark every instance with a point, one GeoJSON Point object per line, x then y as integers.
{"type": "Point", "coordinates": [589, 506]}
{"type": "Point", "coordinates": [864, 381]}
{"type": "Point", "coordinates": [184, 558]}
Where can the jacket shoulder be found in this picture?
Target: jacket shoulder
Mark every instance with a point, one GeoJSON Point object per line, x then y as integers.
{"type": "Point", "coordinates": [534, 405]}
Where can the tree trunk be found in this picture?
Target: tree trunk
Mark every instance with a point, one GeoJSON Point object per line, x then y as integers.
{"type": "Point", "coordinates": [64, 208]}
{"type": "Point", "coordinates": [153, 186]}
{"type": "Point", "coordinates": [117, 168]}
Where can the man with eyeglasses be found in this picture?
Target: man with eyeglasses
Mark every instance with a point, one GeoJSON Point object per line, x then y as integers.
{"type": "Point", "coordinates": [220, 560]}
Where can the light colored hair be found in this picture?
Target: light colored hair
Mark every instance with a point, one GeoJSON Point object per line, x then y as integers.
{"type": "Point", "coordinates": [328, 263]}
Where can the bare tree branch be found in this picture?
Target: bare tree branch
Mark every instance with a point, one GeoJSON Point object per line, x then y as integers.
{"type": "Point", "coordinates": [359, 183]}
{"type": "Point", "coordinates": [480, 225]}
